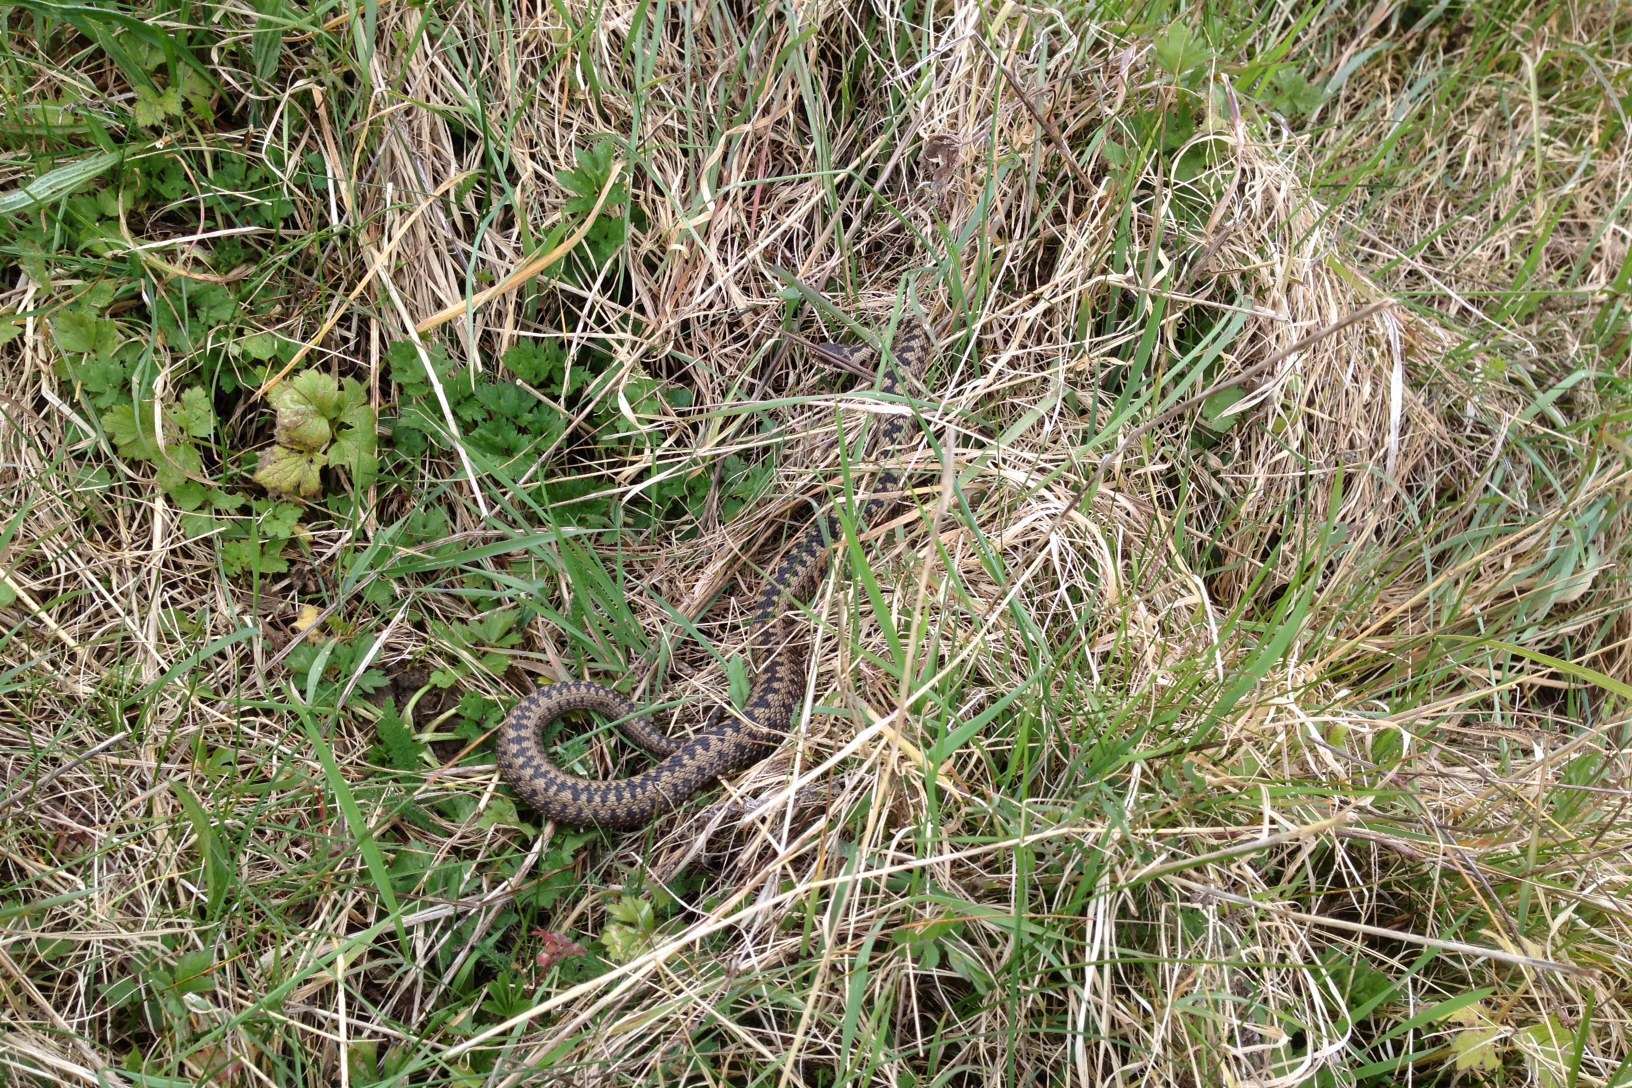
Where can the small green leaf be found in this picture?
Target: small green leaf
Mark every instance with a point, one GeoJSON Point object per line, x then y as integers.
{"type": "Point", "coordinates": [1215, 407]}
{"type": "Point", "coordinates": [121, 991]}
{"type": "Point", "coordinates": [1293, 94]}
{"type": "Point", "coordinates": [243, 556]}
{"type": "Point", "coordinates": [189, 495]}
{"type": "Point", "coordinates": [629, 934]}
{"type": "Point", "coordinates": [292, 472]}
{"type": "Point", "coordinates": [352, 398]}
{"type": "Point", "coordinates": [196, 414]}
{"type": "Point", "coordinates": [153, 105]}
{"type": "Point", "coordinates": [500, 812]}
{"type": "Point", "coordinates": [278, 521]}
{"type": "Point", "coordinates": [85, 333]}
{"type": "Point", "coordinates": [192, 973]}
{"type": "Point", "coordinates": [355, 447]}
{"type": "Point", "coordinates": [259, 346]}
{"type": "Point", "coordinates": [539, 363]}
{"type": "Point", "coordinates": [1180, 50]}
{"type": "Point", "coordinates": [404, 750]}
{"type": "Point", "coordinates": [132, 434]}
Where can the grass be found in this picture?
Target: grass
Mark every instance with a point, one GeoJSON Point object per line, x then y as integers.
{"type": "Point", "coordinates": [1240, 697]}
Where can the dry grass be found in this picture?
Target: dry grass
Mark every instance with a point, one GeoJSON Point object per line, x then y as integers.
{"type": "Point", "coordinates": [1275, 736]}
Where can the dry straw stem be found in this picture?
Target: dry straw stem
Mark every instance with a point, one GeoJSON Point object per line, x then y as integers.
{"type": "Point", "coordinates": [1166, 736]}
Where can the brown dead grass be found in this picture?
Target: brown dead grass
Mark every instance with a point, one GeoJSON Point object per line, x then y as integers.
{"type": "Point", "coordinates": [1158, 904]}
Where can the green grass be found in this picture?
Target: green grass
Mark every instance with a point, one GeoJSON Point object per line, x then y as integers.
{"type": "Point", "coordinates": [1241, 696]}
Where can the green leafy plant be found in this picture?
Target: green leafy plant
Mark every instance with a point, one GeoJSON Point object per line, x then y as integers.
{"type": "Point", "coordinates": [631, 931]}
{"type": "Point", "coordinates": [320, 421]}
{"type": "Point", "coordinates": [397, 743]}
{"type": "Point", "coordinates": [94, 357]}
{"type": "Point", "coordinates": [166, 434]}
{"type": "Point", "coordinates": [505, 422]}
{"type": "Point", "coordinates": [255, 544]}
{"type": "Point", "coordinates": [337, 662]}
{"type": "Point", "coordinates": [483, 638]}
{"type": "Point", "coordinates": [584, 182]}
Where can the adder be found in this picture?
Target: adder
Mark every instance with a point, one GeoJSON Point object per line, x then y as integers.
{"type": "Point", "coordinates": [727, 744]}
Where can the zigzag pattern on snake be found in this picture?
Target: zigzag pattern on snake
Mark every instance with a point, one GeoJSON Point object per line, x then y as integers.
{"type": "Point", "coordinates": [731, 744]}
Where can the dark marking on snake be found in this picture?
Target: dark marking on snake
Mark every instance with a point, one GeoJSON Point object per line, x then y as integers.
{"type": "Point", "coordinates": [727, 743]}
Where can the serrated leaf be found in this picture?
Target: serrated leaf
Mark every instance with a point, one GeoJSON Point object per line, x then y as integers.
{"type": "Point", "coordinates": [153, 105]}
{"type": "Point", "coordinates": [585, 180]}
{"type": "Point", "coordinates": [129, 435]}
{"type": "Point", "coordinates": [302, 430]}
{"type": "Point", "coordinates": [100, 374]}
{"type": "Point", "coordinates": [1181, 50]}
{"type": "Point", "coordinates": [259, 346]}
{"type": "Point", "coordinates": [536, 362]}
{"type": "Point", "coordinates": [1293, 94]}
{"type": "Point", "coordinates": [85, 333]}
{"type": "Point", "coordinates": [189, 495]}
{"type": "Point", "coordinates": [198, 91]}
{"type": "Point", "coordinates": [353, 396]}
{"type": "Point", "coordinates": [372, 680]}
{"type": "Point", "coordinates": [279, 520]}
{"type": "Point", "coordinates": [195, 414]}
{"type": "Point", "coordinates": [355, 447]}
{"type": "Point", "coordinates": [310, 391]}
{"type": "Point", "coordinates": [243, 556]}
{"type": "Point", "coordinates": [292, 472]}
{"type": "Point", "coordinates": [1474, 1050]}
{"type": "Point", "coordinates": [500, 812]}
{"type": "Point", "coordinates": [633, 912]}
{"type": "Point", "coordinates": [630, 933]}
{"type": "Point", "coordinates": [496, 628]}
{"type": "Point", "coordinates": [404, 750]}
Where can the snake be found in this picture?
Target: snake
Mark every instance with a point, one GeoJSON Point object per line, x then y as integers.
{"type": "Point", "coordinates": [726, 743]}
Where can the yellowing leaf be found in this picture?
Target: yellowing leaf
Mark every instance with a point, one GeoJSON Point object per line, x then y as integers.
{"type": "Point", "coordinates": [302, 430]}
{"type": "Point", "coordinates": [292, 472]}
{"type": "Point", "coordinates": [310, 390]}
{"type": "Point", "coordinates": [1475, 1050]}
{"type": "Point", "coordinates": [309, 614]}
{"type": "Point", "coordinates": [307, 406]}
{"type": "Point", "coordinates": [1474, 1046]}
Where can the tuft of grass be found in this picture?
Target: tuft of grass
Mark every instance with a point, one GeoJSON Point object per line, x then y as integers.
{"type": "Point", "coordinates": [1239, 695]}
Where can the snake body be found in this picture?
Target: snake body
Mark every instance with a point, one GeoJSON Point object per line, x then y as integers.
{"type": "Point", "coordinates": [728, 744]}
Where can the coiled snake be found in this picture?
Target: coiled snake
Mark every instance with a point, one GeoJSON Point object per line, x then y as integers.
{"type": "Point", "coordinates": [734, 742]}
